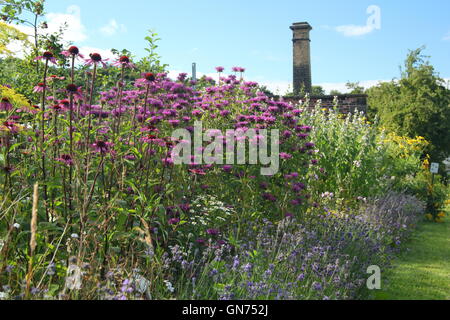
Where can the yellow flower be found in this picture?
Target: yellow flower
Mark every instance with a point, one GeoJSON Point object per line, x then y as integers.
{"type": "Point", "coordinates": [15, 98]}
{"type": "Point", "coordinates": [441, 215]}
{"type": "Point", "coordinates": [429, 216]}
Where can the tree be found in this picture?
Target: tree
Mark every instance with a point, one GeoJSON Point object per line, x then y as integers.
{"type": "Point", "coordinates": [13, 10]}
{"type": "Point", "coordinates": [317, 91]}
{"type": "Point", "coordinates": [335, 93]}
{"type": "Point", "coordinates": [416, 105]}
{"type": "Point", "coordinates": [355, 88]}
{"type": "Point", "coordinates": [9, 34]}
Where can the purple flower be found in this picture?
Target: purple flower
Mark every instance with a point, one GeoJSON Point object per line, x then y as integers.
{"type": "Point", "coordinates": [317, 286]}
{"type": "Point", "coordinates": [40, 87]}
{"type": "Point", "coordinates": [269, 197]}
{"type": "Point", "coordinates": [247, 267]}
{"type": "Point", "coordinates": [73, 52]}
{"type": "Point", "coordinates": [285, 156]}
{"type": "Point", "coordinates": [289, 215]}
{"type": "Point", "coordinates": [174, 221]}
{"type": "Point", "coordinates": [96, 58]}
{"type": "Point", "coordinates": [236, 263]}
{"type": "Point", "coordinates": [102, 147]}
{"type": "Point", "coordinates": [5, 105]}
{"type": "Point", "coordinates": [65, 159]}
{"type": "Point", "coordinates": [224, 113]}
{"type": "Point", "coordinates": [212, 232]}
{"type": "Point", "coordinates": [48, 56]}
{"type": "Point", "coordinates": [182, 76]}
{"type": "Point", "coordinates": [125, 62]}
{"type": "Point", "coordinates": [227, 168]}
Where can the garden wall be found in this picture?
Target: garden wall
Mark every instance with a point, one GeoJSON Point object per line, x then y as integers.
{"type": "Point", "coordinates": [348, 103]}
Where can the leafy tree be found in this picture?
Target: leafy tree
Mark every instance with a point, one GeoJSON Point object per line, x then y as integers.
{"type": "Point", "coordinates": [9, 34]}
{"type": "Point", "coordinates": [12, 11]}
{"type": "Point", "coordinates": [416, 105]}
{"type": "Point", "coordinates": [317, 91]}
{"type": "Point", "coordinates": [266, 91]}
{"type": "Point", "coordinates": [355, 88]}
{"type": "Point", "coordinates": [335, 93]}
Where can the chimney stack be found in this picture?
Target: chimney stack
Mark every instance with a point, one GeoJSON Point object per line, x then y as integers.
{"type": "Point", "coordinates": [302, 57]}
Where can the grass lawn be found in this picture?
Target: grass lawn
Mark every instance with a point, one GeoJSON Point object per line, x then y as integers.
{"type": "Point", "coordinates": [423, 272]}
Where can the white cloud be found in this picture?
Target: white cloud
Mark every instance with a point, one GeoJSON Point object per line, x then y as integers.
{"type": "Point", "coordinates": [106, 54]}
{"type": "Point", "coordinates": [75, 31]}
{"type": "Point", "coordinates": [112, 28]}
{"type": "Point", "coordinates": [277, 87]}
{"type": "Point", "coordinates": [354, 31]}
{"type": "Point", "coordinates": [17, 47]}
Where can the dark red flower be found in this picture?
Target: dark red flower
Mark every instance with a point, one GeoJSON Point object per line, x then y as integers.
{"type": "Point", "coordinates": [74, 50]}
{"type": "Point", "coordinates": [124, 59]}
{"type": "Point", "coordinates": [47, 55]}
{"type": "Point", "coordinates": [96, 57]}
{"type": "Point", "coordinates": [65, 159]}
{"type": "Point", "coordinates": [149, 77]}
{"type": "Point", "coordinates": [72, 88]}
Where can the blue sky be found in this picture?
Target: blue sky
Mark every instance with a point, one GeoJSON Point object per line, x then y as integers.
{"type": "Point", "coordinates": [256, 35]}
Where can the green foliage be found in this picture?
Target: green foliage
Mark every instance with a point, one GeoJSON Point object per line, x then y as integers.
{"type": "Point", "coordinates": [152, 62]}
{"type": "Point", "coordinates": [13, 97]}
{"type": "Point", "coordinates": [416, 105]}
{"type": "Point", "coordinates": [9, 34]}
{"type": "Point", "coordinates": [12, 10]}
{"type": "Point", "coordinates": [317, 91]}
{"type": "Point", "coordinates": [355, 88]}
{"type": "Point", "coordinates": [335, 93]}
{"type": "Point", "coordinates": [349, 152]}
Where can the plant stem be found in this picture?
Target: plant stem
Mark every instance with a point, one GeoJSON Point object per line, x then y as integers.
{"type": "Point", "coordinates": [44, 171]}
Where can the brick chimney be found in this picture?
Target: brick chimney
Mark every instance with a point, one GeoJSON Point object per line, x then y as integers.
{"type": "Point", "coordinates": [302, 56]}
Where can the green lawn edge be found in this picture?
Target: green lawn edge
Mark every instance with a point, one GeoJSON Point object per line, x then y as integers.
{"type": "Point", "coordinates": [422, 272]}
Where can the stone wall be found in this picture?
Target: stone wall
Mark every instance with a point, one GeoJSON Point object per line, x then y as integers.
{"type": "Point", "coordinates": [348, 103]}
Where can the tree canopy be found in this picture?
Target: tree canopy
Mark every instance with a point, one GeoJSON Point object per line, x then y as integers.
{"type": "Point", "coordinates": [9, 34]}
{"type": "Point", "coordinates": [418, 104]}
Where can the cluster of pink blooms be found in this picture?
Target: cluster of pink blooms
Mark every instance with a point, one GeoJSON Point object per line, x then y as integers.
{"type": "Point", "coordinates": [158, 104]}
